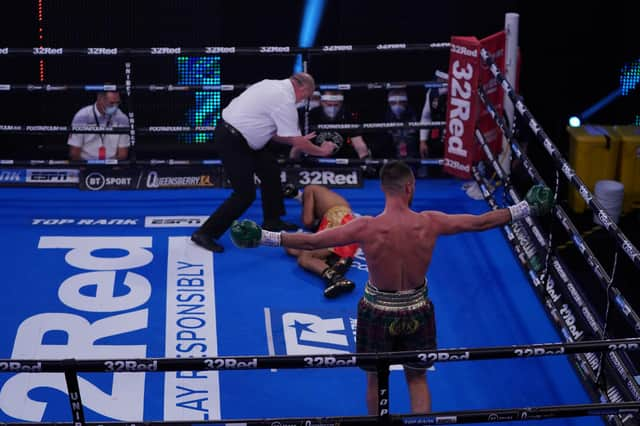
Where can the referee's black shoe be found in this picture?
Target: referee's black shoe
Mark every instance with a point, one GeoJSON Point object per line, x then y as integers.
{"type": "Point", "coordinates": [279, 225]}
{"type": "Point", "coordinates": [207, 243]}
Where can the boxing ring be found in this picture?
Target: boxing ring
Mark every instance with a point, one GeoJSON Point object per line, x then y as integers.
{"type": "Point", "coordinates": [111, 315]}
{"type": "Point", "coordinates": [481, 296]}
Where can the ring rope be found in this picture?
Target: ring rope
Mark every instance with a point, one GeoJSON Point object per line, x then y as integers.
{"type": "Point", "coordinates": [381, 125]}
{"type": "Point", "coordinates": [170, 87]}
{"type": "Point", "coordinates": [215, 161]}
{"type": "Point", "coordinates": [562, 164]}
{"type": "Point", "coordinates": [622, 366]}
{"type": "Point", "coordinates": [381, 361]}
{"type": "Point", "coordinates": [340, 49]}
{"type": "Point", "coordinates": [445, 417]}
{"type": "Point", "coordinates": [533, 227]}
{"type": "Point", "coordinates": [584, 361]}
{"type": "Point", "coordinates": [607, 310]}
{"type": "Point", "coordinates": [520, 244]}
{"type": "Point", "coordinates": [317, 361]}
{"type": "Point", "coordinates": [48, 129]}
{"type": "Point", "coordinates": [623, 306]}
{"type": "Point", "coordinates": [381, 85]}
{"type": "Point", "coordinates": [578, 298]}
{"type": "Point", "coordinates": [530, 248]}
{"type": "Point", "coordinates": [588, 362]}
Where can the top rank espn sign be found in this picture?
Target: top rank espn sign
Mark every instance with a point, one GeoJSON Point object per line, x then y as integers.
{"type": "Point", "coordinates": [464, 112]}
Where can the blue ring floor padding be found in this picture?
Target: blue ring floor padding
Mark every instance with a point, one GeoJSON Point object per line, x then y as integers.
{"type": "Point", "coordinates": [260, 303]}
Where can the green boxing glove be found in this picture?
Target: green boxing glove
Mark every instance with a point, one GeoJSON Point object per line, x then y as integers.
{"type": "Point", "coordinates": [248, 234]}
{"type": "Point", "coordinates": [540, 199]}
{"type": "Point", "coordinates": [537, 202]}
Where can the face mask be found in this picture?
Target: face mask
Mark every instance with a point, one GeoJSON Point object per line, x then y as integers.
{"type": "Point", "coordinates": [314, 104]}
{"type": "Point", "coordinates": [398, 110]}
{"type": "Point", "coordinates": [331, 111]}
{"type": "Point", "coordinates": [110, 110]}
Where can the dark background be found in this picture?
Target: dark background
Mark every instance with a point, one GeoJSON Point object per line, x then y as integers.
{"type": "Point", "coordinates": [571, 54]}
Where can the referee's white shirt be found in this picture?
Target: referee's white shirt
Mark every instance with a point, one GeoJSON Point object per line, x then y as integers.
{"type": "Point", "coordinates": [91, 142]}
{"type": "Point", "coordinates": [265, 109]}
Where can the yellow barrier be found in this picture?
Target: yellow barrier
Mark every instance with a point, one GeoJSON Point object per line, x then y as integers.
{"type": "Point", "coordinates": [593, 153]}
{"type": "Point", "coordinates": [629, 165]}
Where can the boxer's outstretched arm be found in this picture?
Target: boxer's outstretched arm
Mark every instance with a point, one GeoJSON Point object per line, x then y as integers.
{"type": "Point", "coordinates": [349, 233]}
{"type": "Point", "coordinates": [449, 224]}
{"type": "Point", "coordinates": [538, 201]}
{"type": "Point", "coordinates": [247, 234]}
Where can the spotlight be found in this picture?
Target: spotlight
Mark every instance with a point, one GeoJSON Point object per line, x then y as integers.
{"type": "Point", "coordinates": [313, 10]}
{"type": "Point", "coordinates": [574, 121]}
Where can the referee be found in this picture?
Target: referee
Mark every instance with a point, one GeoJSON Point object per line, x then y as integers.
{"type": "Point", "coordinates": [265, 111]}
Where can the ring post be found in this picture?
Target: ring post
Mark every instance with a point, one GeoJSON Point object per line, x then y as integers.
{"type": "Point", "coordinates": [511, 21]}
{"type": "Point", "coordinates": [511, 60]}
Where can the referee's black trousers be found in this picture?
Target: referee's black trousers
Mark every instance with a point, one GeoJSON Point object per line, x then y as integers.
{"type": "Point", "coordinates": [240, 162]}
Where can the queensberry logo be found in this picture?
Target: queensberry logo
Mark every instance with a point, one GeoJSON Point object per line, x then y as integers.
{"type": "Point", "coordinates": [304, 333]}
{"type": "Point", "coordinates": [12, 175]}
